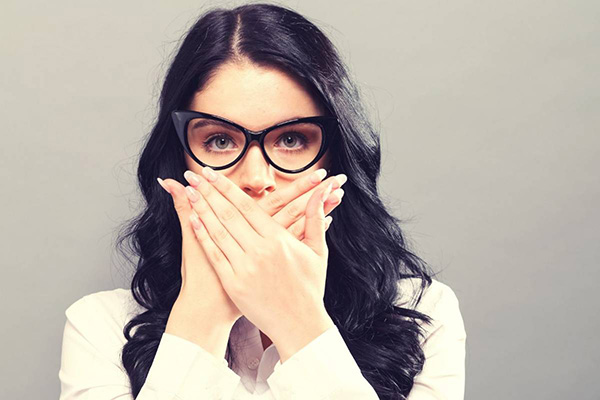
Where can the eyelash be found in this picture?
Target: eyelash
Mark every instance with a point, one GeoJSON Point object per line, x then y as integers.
{"type": "Point", "coordinates": [207, 142]}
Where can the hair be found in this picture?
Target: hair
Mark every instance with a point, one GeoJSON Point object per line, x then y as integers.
{"type": "Point", "coordinates": [368, 253]}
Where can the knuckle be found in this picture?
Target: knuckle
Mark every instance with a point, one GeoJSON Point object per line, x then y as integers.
{"type": "Point", "coordinates": [180, 206]}
{"type": "Point", "coordinates": [228, 214]}
{"type": "Point", "coordinates": [296, 229]}
{"type": "Point", "coordinates": [258, 252]}
{"type": "Point", "coordinates": [220, 235]}
{"type": "Point", "coordinates": [215, 255]}
{"type": "Point", "coordinates": [199, 206]}
{"type": "Point", "coordinates": [274, 200]}
{"type": "Point", "coordinates": [246, 206]}
{"type": "Point", "coordinates": [206, 189]}
{"type": "Point", "coordinates": [293, 210]}
{"type": "Point", "coordinates": [225, 189]}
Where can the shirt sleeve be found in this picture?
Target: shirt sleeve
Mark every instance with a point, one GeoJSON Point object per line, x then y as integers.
{"type": "Point", "coordinates": [91, 368]}
{"type": "Point", "coordinates": [323, 369]}
{"type": "Point", "coordinates": [443, 374]}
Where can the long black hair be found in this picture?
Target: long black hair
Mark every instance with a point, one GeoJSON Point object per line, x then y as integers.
{"type": "Point", "coordinates": [368, 253]}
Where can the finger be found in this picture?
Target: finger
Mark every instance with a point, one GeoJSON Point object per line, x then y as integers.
{"type": "Point", "coordinates": [314, 232]}
{"type": "Point", "coordinates": [182, 206]}
{"type": "Point", "coordinates": [214, 254]}
{"type": "Point", "coordinates": [230, 213]}
{"type": "Point", "coordinates": [300, 235]}
{"type": "Point", "coordinates": [190, 246]}
{"type": "Point", "coordinates": [227, 213]}
{"type": "Point", "coordinates": [295, 209]}
{"type": "Point", "coordinates": [328, 220]}
{"type": "Point", "coordinates": [218, 188]}
{"type": "Point", "coordinates": [279, 198]}
{"type": "Point", "coordinates": [334, 200]}
{"type": "Point", "coordinates": [217, 232]}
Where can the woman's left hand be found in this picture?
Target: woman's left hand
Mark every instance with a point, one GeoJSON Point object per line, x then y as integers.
{"type": "Point", "coordinates": [275, 280]}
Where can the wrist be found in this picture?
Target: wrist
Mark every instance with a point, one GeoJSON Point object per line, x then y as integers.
{"type": "Point", "coordinates": [304, 332]}
{"type": "Point", "coordinates": [196, 326]}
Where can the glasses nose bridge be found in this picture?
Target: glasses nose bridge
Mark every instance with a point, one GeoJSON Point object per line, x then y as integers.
{"type": "Point", "coordinates": [254, 135]}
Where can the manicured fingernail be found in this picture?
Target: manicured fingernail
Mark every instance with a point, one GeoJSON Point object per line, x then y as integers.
{"type": "Point", "coordinates": [338, 194]}
{"type": "Point", "coordinates": [191, 194]}
{"type": "Point", "coordinates": [326, 192]}
{"type": "Point", "coordinates": [209, 174]}
{"type": "Point", "coordinates": [328, 220]}
{"type": "Point", "coordinates": [342, 178]}
{"type": "Point", "coordinates": [195, 220]}
{"type": "Point", "coordinates": [318, 175]}
{"type": "Point", "coordinates": [164, 186]}
{"type": "Point", "coordinates": [191, 177]}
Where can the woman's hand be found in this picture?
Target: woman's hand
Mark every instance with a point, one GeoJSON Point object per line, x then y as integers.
{"type": "Point", "coordinates": [202, 300]}
{"type": "Point", "coordinates": [275, 280]}
{"type": "Point", "coordinates": [287, 205]}
{"type": "Point", "coordinates": [201, 286]}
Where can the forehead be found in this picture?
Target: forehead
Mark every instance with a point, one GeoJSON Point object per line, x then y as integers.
{"type": "Point", "coordinates": [254, 96]}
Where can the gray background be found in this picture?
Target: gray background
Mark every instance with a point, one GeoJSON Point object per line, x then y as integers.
{"type": "Point", "coordinates": [489, 113]}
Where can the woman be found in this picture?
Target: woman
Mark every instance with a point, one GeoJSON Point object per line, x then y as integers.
{"type": "Point", "coordinates": [243, 286]}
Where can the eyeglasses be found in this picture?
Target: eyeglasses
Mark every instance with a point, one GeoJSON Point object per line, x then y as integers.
{"type": "Point", "coordinates": [291, 146]}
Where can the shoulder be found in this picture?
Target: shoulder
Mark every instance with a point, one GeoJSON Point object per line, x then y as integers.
{"type": "Point", "coordinates": [443, 341]}
{"type": "Point", "coordinates": [438, 301]}
{"type": "Point", "coordinates": [113, 305]}
{"type": "Point", "coordinates": [101, 316]}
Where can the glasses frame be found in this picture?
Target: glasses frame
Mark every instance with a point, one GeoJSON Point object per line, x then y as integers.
{"type": "Point", "coordinates": [181, 119]}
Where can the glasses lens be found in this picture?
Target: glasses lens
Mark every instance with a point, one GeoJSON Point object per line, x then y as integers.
{"type": "Point", "coordinates": [295, 145]}
{"type": "Point", "coordinates": [215, 143]}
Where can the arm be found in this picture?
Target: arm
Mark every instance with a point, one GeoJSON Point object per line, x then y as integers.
{"type": "Point", "coordinates": [91, 367]}
{"type": "Point", "coordinates": [326, 370]}
{"type": "Point", "coordinates": [323, 369]}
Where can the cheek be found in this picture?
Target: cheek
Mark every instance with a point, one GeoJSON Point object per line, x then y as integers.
{"type": "Point", "coordinates": [197, 168]}
{"type": "Point", "coordinates": [192, 165]}
{"type": "Point", "coordinates": [284, 180]}
{"type": "Point", "coordinates": [323, 162]}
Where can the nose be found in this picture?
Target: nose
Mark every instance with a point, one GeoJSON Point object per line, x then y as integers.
{"type": "Point", "coordinates": [257, 176]}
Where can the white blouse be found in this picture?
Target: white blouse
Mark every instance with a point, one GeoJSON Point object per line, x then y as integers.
{"type": "Point", "coordinates": [93, 337]}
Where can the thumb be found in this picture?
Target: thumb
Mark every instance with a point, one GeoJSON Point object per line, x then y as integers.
{"type": "Point", "coordinates": [314, 228]}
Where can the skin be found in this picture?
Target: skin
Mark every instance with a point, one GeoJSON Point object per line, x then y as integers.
{"type": "Point", "coordinates": [255, 97]}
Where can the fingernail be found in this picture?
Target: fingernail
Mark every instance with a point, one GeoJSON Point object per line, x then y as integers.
{"type": "Point", "coordinates": [328, 220]}
{"type": "Point", "coordinates": [318, 175]}
{"type": "Point", "coordinates": [195, 220]}
{"type": "Point", "coordinates": [191, 177]}
{"type": "Point", "coordinates": [338, 193]}
{"type": "Point", "coordinates": [191, 194]}
{"type": "Point", "coordinates": [342, 178]}
{"type": "Point", "coordinates": [326, 192]}
{"type": "Point", "coordinates": [164, 186]}
{"type": "Point", "coordinates": [209, 174]}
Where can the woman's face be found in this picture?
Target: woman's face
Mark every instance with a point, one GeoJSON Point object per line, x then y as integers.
{"type": "Point", "coordinates": [256, 98]}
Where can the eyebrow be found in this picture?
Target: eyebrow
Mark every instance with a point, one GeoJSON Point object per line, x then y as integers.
{"type": "Point", "coordinates": [204, 122]}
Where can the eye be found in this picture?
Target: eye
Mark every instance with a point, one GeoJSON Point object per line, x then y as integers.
{"type": "Point", "coordinates": [220, 140]}
{"type": "Point", "coordinates": [290, 139]}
